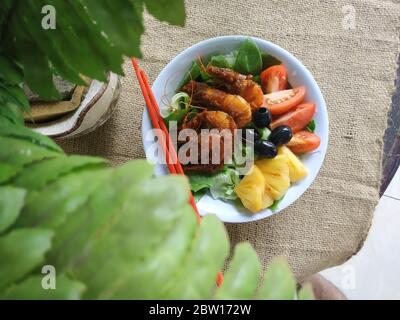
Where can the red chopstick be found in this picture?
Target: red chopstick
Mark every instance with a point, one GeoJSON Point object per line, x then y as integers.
{"type": "Point", "coordinates": [171, 157]}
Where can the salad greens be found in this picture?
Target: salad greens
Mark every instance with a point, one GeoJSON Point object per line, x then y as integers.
{"type": "Point", "coordinates": [192, 74]}
{"type": "Point", "coordinates": [221, 184]}
{"type": "Point", "coordinates": [269, 60]}
{"type": "Point", "coordinates": [248, 60]}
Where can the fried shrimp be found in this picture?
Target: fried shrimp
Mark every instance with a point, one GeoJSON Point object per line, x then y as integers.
{"type": "Point", "coordinates": [210, 120]}
{"type": "Point", "coordinates": [236, 83]}
{"type": "Point", "coordinates": [215, 147]}
{"type": "Point", "coordinates": [234, 105]}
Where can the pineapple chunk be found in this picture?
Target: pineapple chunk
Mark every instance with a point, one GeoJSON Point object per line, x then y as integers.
{"type": "Point", "coordinates": [250, 190]}
{"type": "Point", "coordinates": [297, 170]}
{"type": "Point", "coordinates": [276, 174]}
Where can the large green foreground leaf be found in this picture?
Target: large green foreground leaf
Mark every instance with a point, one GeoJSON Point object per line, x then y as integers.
{"type": "Point", "coordinates": [113, 233]}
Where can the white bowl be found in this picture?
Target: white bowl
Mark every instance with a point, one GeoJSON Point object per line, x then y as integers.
{"type": "Point", "coordinates": [168, 80]}
{"type": "Point", "coordinates": [95, 109]}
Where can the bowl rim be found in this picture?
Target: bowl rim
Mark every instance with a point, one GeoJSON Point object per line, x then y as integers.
{"type": "Point", "coordinates": [283, 53]}
{"type": "Point", "coordinates": [77, 116]}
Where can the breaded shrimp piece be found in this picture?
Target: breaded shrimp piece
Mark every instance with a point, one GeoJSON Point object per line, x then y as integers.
{"type": "Point", "coordinates": [234, 105]}
{"type": "Point", "coordinates": [210, 120]}
{"type": "Point", "coordinates": [236, 83]}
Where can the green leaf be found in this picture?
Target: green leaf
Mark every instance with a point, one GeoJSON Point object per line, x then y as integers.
{"type": "Point", "coordinates": [15, 95]}
{"type": "Point", "coordinates": [241, 279]}
{"type": "Point", "coordinates": [123, 242]}
{"type": "Point", "coordinates": [276, 203]}
{"type": "Point", "coordinates": [200, 181]}
{"type": "Point", "coordinates": [206, 258]}
{"type": "Point", "coordinates": [39, 174]}
{"type": "Point", "coordinates": [220, 61]}
{"type": "Point", "coordinates": [279, 283]}
{"type": "Point", "coordinates": [221, 184]}
{"type": "Point", "coordinates": [7, 171]}
{"type": "Point", "coordinates": [224, 184]}
{"type": "Point", "coordinates": [269, 61]}
{"type": "Point", "coordinates": [192, 74]}
{"type": "Point", "coordinates": [51, 206]}
{"type": "Point", "coordinates": [11, 203]}
{"type": "Point", "coordinates": [306, 292]}
{"type": "Point", "coordinates": [248, 60]}
{"type": "Point", "coordinates": [37, 73]}
{"type": "Point", "coordinates": [172, 11]}
{"type": "Point", "coordinates": [32, 289]}
{"type": "Point", "coordinates": [10, 73]}
{"type": "Point", "coordinates": [311, 126]}
{"type": "Point", "coordinates": [23, 250]}
{"type": "Point", "coordinates": [10, 114]}
{"type": "Point", "coordinates": [19, 152]}
{"type": "Point", "coordinates": [224, 61]}
{"type": "Point", "coordinates": [199, 194]}
{"type": "Point", "coordinates": [125, 39]}
{"type": "Point", "coordinates": [86, 215]}
{"type": "Point", "coordinates": [26, 134]}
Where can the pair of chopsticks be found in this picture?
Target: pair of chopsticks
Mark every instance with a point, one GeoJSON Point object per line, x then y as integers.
{"type": "Point", "coordinates": [157, 121]}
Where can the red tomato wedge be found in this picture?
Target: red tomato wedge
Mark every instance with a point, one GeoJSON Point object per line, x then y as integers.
{"type": "Point", "coordinates": [283, 101]}
{"type": "Point", "coordinates": [297, 119]}
{"type": "Point", "coordinates": [303, 142]}
{"type": "Point", "coordinates": [274, 79]}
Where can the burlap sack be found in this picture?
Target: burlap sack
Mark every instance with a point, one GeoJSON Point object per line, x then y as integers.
{"type": "Point", "coordinates": [354, 65]}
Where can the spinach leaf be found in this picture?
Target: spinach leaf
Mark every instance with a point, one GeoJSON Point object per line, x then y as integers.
{"type": "Point", "coordinates": [248, 60]}
{"type": "Point", "coordinates": [269, 61]}
{"type": "Point", "coordinates": [193, 73]}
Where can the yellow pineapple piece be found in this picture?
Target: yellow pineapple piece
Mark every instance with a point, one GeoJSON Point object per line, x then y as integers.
{"type": "Point", "coordinates": [276, 174]}
{"type": "Point", "coordinates": [297, 170]}
{"type": "Point", "coordinates": [250, 190]}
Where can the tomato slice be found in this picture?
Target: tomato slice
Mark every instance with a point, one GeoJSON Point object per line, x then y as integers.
{"type": "Point", "coordinates": [303, 142]}
{"type": "Point", "coordinates": [297, 119]}
{"type": "Point", "coordinates": [282, 101]}
{"type": "Point", "coordinates": [274, 79]}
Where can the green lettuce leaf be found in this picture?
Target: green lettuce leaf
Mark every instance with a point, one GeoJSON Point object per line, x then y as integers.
{"type": "Point", "coordinates": [221, 184]}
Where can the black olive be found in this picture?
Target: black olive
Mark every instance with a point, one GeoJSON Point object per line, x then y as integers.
{"type": "Point", "coordinates": [265, 148]}
{"type": "Point", "coordinates": [281, 135]}
{"type": "Point", "coordinates": [262, 118]}
{"type": "Point", "coordinates": [248, 134]}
